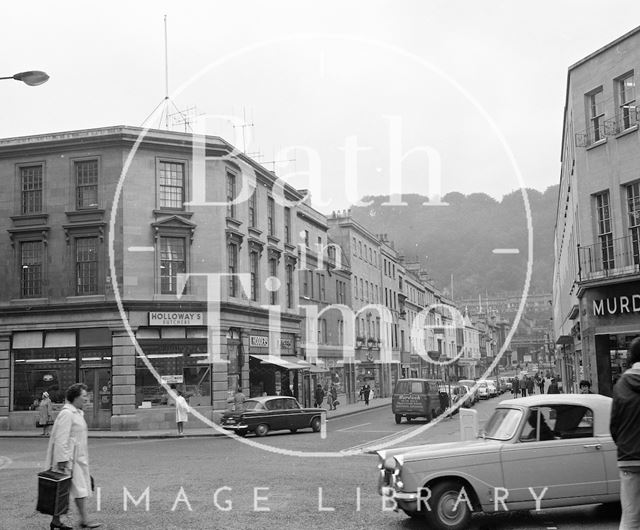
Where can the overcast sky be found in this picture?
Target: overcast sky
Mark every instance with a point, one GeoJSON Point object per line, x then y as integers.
{"type": "Point", "coordinates": [461, 83]}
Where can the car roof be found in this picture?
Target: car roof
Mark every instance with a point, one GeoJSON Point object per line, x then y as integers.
{"type": "Point", "coordinates": [601, 406]}
{"type": "Point", "coordinates": [593, 400]}
{"type": "Point", "coordinates": [262, 399]}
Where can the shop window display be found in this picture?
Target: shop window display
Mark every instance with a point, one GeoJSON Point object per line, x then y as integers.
{"type": "Point", "coordinates": [177, 364]}
{"type": "Point", "coordinates": [36, 371]}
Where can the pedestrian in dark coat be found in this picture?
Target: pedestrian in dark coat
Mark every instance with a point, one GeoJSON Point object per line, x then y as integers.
{"type": "Point", "coordinates": [319, 396]}
{"type": "Point", "coordinates": [530, 385]}
{"type": "Point", "coordinates": [333, 397]}
{"type": "Point", "coordinates": [625, 430]}
{"type": "Point", "coordinates": [366, 391]}
{"type": "Point", "coordinates": [515, 387]}
{"type": "Point", "coordinates": [541, 384]}
{"type": "Point", "coordinates": [523, 386]}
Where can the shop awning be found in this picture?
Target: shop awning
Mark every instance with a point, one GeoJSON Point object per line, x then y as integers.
{"type": "Point", "coordinates": [284, 362]}
{"type": "Point", "coordinates": [564, 340]}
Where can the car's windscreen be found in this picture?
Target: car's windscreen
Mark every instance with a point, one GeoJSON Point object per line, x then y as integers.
{"type": "Point", "coordinates": [503, 424]}
{"type": "Point", "coordinates": [251, 405]}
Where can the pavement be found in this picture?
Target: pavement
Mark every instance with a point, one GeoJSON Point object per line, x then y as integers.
{"type": "Point", "coordinates": [341, 411]}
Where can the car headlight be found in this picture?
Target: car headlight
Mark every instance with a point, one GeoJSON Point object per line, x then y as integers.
{"type": "Point", "coordinates": [390, 464]}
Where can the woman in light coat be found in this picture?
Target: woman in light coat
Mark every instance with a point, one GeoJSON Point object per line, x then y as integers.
{"type": "Point", "coordinates": [68, 452]}
{"type": "Point", "coordinates": [182, 412]}
{"type": "Point", "coordinates": [45, 413]}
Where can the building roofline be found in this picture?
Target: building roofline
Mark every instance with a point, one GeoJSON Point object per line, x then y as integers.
{"type": "Point", "coordinates": [128, 133]}
{"type": "Point", "coordinates": [575, 65]}
{"type": "Point", "coordinates": [605, 47]}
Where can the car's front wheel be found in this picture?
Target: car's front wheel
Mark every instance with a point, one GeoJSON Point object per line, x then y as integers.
{"type": "Point", "coordinates": [262, 429]}
{"type": "Point", "coordinates": [449, 507]}
{"type": "Point", "coordinates": [315, 424]}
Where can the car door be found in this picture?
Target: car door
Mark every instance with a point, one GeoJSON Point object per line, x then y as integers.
{"type": "Point", "coordinates": [275, 417]}
{"type": "Point", "coordinates": [294, 415]}
{"type": "Point", "coordinates": [555, 450]}
{"type": "Point", "coordinates": [610, 454]}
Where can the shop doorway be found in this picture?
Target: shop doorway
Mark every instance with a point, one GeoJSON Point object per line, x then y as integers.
{"type": "Point", "coordinates": [97, 410]}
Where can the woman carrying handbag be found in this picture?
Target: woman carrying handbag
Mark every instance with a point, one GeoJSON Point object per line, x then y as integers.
{"type": "Point", "coordinates": [68, 452]}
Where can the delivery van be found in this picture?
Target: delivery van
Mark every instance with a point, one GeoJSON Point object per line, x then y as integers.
{"type": "Point", "coordinates": [416, 398]}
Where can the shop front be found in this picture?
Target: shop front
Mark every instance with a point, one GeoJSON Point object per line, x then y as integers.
{"type": "Point", "coordinates": [51, 361]}
{"type": "Point", "coordinates": [274, 369]}
{"type": "Point", "coordinates": [610, 320]}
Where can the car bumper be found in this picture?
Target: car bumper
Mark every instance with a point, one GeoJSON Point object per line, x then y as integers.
{"type": "Point", "coordinates": [236, 427]}
{"type": "Point", "coordinates": [388, 491]}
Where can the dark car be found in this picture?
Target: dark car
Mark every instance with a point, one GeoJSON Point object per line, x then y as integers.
{"type": "Point", "coordinates": [272, 413]}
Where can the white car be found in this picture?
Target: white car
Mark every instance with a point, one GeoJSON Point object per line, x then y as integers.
{"type": "Point", "coordinates": [483, 390]}
{"type": "Point", "coordinates": [493, 389]}
{"type": "Point", "coordinates": [536, 452]}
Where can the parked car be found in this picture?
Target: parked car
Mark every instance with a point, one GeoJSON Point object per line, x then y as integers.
{"type": "Point", "coordinates": [471, 384]}
{"type": "Point", "coordinates": [467, 395]}
{"type": "Point", "coordinates": [456, 393]}
{"type": "Point", "coordinates": [483, 390]}
{"type": "Point", "coordinates": [507, 382]}
{"type": "Point", "coordinates": [493, 389]}
{"type": "Point", "coordinates": [561, 440]}
{"type": "Point", "coordinates": [416, 398]}
{"type": "Point", "coordinates": [272, 413]}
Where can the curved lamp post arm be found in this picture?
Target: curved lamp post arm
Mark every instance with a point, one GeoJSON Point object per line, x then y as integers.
{"type": "Point", "coordinates": [31, 78]}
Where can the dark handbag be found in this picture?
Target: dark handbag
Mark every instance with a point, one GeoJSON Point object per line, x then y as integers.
{"type": "Point", "coordinates": [53, 492]}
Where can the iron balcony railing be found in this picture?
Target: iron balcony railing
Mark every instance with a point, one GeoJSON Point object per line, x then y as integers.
{"type": "Point", "coordinates": [626, 119]}
{"type": "Point", "coordinates": [609, 258]}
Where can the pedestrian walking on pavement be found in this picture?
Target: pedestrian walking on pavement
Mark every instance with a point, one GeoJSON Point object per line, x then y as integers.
{"type": "Point", "coordinates": [333, 397]}
{"type": "Point", "coordinates": [530, 386]}
{"type": "Point", "coordinates": [523, 386]}
{"type": "Point", "coordinates": [182, 412]}
{"type": "Point", "coordinates": [541, 384]}
{"type": "Point", "coordinates": [45, 413]}
{"type": "Point", "coordinates": [625, 430]}
{"type": "Point", "coordinates": [515, 387]}
{"type": "Point", "coordinates": [318, 396]}
{"type": "Point", "coordinates": [366, 392]}
{"type": "Point", "coordinates": [238, 400]}
{"type": "Point", "coordinates": [68, 452]}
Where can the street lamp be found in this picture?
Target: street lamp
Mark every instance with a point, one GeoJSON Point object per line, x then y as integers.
{"type": "Point", "coordinates": [31, 78]}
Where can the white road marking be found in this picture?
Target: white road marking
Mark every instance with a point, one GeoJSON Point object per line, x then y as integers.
{"type": "Point", "coordinates": [353, 427]}
{"type": "Point", "coordinates": [374, 443]}
{"type": "Point", "coordinates": [506, 251]}
{"type": "Point", "coordinates": [5, 461]}
{"type": "Point", "coordinates": [323, 426]}
{"type": "Point", "coordinates": [378, 431]}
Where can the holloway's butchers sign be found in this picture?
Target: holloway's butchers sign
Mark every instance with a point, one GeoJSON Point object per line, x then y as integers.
{"type": "Point", "coordinates": [176, 318]}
